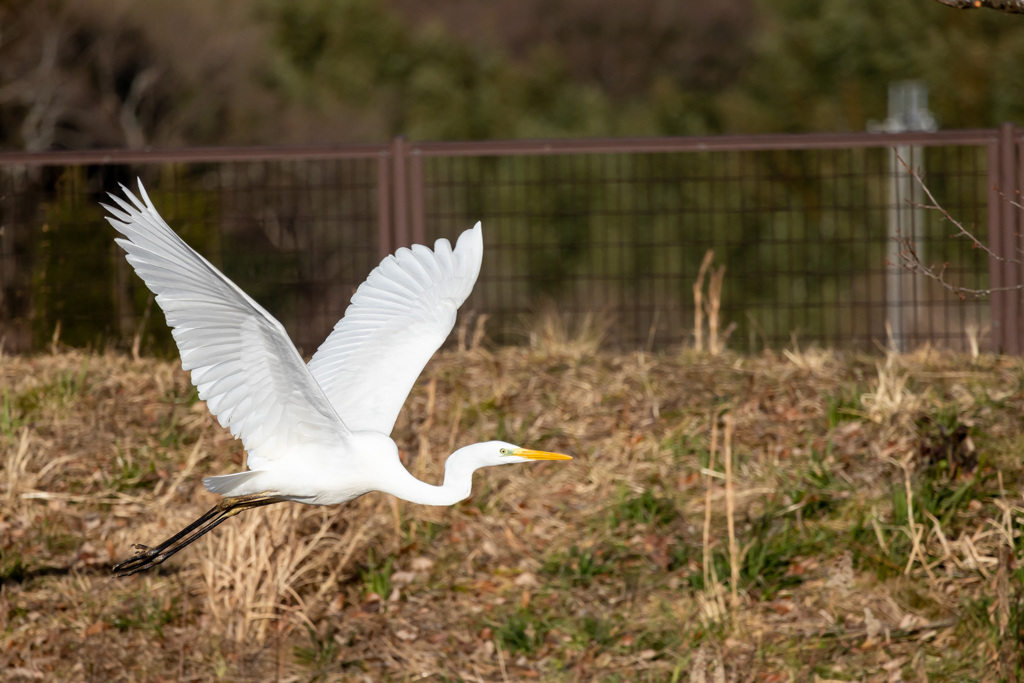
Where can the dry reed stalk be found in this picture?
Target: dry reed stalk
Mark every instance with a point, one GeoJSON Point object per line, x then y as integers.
{"type": "Point", "coordinates": [16, 467]}
{"type": "Point", "coordinates": [974, 559]}
{"type": "Point", "coordinates": [137, 337]}
{"type": "Point", "coordinates": [55, 340]}
{"type": "Point", "coordinates": [453, 431]}
{"type": "Point", "coordinates": [709, 307]}
{"type": "Point", "coordinates": [698, 666]}
{"type": "Point", "coordinates": [915, 539]}
{"type": "Point", "coordinates": [814, 360]}
{"type": "Point", "coordinates": [256, 568]}
{"type": "Point", "coordinates": [713, 307]}
{"type": "Point", "coordinates": [892, 403]}
{"type": "Point", "coordinates": [730, 511]}
{"type": "Point", "coordinates": [718, 673]}
{"type": "Point", "coordinates": [698, 301]}
{"type": "Point", "coordinates": [914, 532]}
{"type": "Point", "coordinates": [501, 661]}
{"type": "Point", "coordinates": [938, 533]}
{"type": "Point", "coordinates": [1008, 655]}
{"type": "Point", "coordinates": [479, 331]}
{"type": "Point", "coordinates": [708, 559]}
{"type": "Point", "coordinates": [1007, 649]}
{"type": "Point", "coordinates": [973, 332]}
{"type": "Point", "coordinates": [712, 601]}
{"type": "Point", "coordinates": [194, 457]}
{"type": "Point", "coordinates": [464, 341]}
{"type": "Point", "coordinates": [423, 433]}
{"type": "Point", "coordinates": [562, 335]}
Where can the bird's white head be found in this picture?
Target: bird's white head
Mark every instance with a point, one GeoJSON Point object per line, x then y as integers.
{"type": "Point", "coordinates": [508, 452]}
{"type": "Point", "coordinates": [490, 453]}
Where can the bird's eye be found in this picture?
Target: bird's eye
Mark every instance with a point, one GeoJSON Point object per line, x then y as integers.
{"type": "Point", "coordinates": [504, 451]}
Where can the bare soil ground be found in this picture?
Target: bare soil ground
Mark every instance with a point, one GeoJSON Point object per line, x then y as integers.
{"type": "Point", "coordinates": [788, 517]}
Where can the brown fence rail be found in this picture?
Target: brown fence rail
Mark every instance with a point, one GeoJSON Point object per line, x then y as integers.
{"type": "Point", "coordinates": [619, 228]}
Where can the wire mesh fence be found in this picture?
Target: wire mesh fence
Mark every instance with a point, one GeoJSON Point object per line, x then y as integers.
{"type": "Point", "coordinates": [803, 224]}
{"type": "Point", "coordinates": [297, 235]}
{"type": "Point", "coordinates": [803, 235]}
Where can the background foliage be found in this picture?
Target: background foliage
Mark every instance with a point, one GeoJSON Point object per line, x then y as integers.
{"type": "Point", "coordinates": [122, 73]}
{"type": "Point", "coordinates": [96, 73]}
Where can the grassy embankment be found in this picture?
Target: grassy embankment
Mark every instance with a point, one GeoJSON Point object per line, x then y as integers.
{"type": "Point", "coordinates": [771, 518]}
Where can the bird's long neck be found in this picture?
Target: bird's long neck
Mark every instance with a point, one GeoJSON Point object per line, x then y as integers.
{"type": "Point", "coordinates": [458, 482]}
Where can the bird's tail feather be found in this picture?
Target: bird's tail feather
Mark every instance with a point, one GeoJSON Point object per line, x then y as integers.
{"type": "Point", "coordinates": [229, 484]}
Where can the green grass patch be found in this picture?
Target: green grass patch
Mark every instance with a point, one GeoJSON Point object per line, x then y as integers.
{"type": "Point", "coordinates": [647, 508]}
{"type": "Point", "coordinates": [581, 566]}
{"type": "Point", "coordinates": [844, 407]}
{"type": "Point", "coordinates": [521, 632]}
{"type": "Point", "coordinates": [11, 417]}
{"type": "Point", "coordinates": [146, 612]}
{"type": "Point", "coordinates": [320, 654]}
{"type": "Point", "coordinates": [377, 577]}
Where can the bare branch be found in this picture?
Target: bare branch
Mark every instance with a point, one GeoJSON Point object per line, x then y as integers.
{"type": "Point", "coordinates": [910, 260]}
{"type": "Point", "coordinates": [1008, 6]}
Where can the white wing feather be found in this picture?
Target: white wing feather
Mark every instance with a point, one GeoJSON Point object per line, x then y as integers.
{"type": "Point", "coordinates": [242, 361]}
{"type": "Point", "coordinates": [397, 319]}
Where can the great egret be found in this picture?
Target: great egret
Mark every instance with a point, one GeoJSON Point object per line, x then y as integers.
{"type": "Point", "coordinates": [315, 433]}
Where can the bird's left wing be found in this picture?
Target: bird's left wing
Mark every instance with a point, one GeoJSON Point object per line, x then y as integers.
{"type": "Point", "coordinates": [242, 361]}
{"type": "Point", "coordinates": [397, 319]}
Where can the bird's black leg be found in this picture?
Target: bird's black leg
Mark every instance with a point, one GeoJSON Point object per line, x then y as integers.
{"type": "Point", "coordinates": [147, 558]}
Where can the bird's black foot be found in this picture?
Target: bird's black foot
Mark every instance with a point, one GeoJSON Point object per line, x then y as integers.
{"type": "Point", "coordinates": [147, 558]}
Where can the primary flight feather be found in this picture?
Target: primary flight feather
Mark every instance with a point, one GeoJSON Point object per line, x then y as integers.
{"type": "Point", "coordinates": [316, 433]}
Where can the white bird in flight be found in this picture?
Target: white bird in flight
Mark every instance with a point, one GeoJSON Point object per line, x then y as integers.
{"type": "Point", "coordinates": [316, 433]}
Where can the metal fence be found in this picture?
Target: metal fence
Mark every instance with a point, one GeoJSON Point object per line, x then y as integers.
{"type": "Point", "coordinates": [802, 223]}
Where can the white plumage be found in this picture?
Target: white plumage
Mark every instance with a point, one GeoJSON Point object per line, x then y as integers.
{"type": "Point", "coordinates": [318, 433]}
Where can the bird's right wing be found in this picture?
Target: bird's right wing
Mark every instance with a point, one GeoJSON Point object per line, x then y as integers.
{"type": "Point", "coordinates": [397, 319]}
{"type": "Point", "coordinates": [242, 361]}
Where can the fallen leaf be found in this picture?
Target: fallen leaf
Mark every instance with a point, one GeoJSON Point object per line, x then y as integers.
{"type": "Point", "coordinates": [406, 634]}
{"type": "Point", "coordinates": [421, 564]}
{"type": "Point", "coordinates": [527, 580]}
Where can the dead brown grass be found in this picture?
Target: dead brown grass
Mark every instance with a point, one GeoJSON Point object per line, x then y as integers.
{"type": "Point", "coordinates": [841, 530]}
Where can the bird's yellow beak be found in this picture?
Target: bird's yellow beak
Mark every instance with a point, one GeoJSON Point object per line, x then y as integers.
{"type": "Point", "coordinates": [539, 455]}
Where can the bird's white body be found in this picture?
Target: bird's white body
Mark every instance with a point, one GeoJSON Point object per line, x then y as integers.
{"type": "Point", "coordinates": [316, 475]}
{"type": "Point", "coordinates": [316, 433]}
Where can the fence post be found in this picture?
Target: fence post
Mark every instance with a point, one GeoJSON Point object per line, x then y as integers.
{"type": "Point", "coordinates": [908, 111]}
{"type": "Point", "coordinates": [901, 290]}
{"type": "Point", "coordinates": [995, 245]}
{"type": "Point", "coordinates": [1014, 231]}
{"type": "Point", "coordinates": [1005, 243]}
{"type": "Point", "coordinates": [1017, 194]}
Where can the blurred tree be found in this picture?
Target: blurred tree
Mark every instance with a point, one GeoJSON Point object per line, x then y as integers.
{"type": "Point", "coordinates": [423, 82]}
{"type": "Point", "coordinates": [641, 68]}
{"type": "Point", "coordinates": [623, 48]}
{"type": "Point", "coordinates": [109, 73]}
{"type": "Point", "coordinates": [94, 73]}
{"type": "Point", "coordinates": [825, 65]}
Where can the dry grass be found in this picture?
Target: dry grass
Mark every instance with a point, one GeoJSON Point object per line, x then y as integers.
{"type": "Point", "coordinates": [794, 517]}
{"type": "Point", "coordinates": [708, 306]}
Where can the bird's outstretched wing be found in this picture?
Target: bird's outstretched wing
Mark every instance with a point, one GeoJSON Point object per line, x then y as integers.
{"type": "Point", "coordinates": [242, 361]}
{"type": "Point", "coordinates": [397, 320]}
